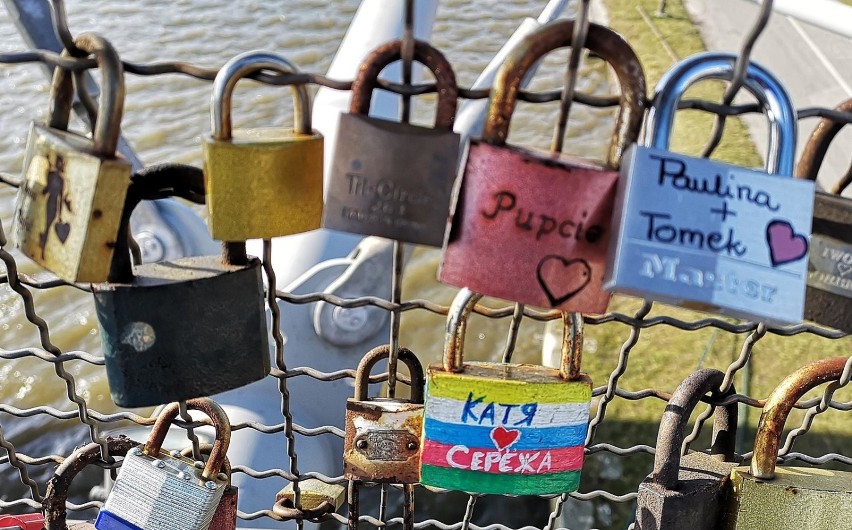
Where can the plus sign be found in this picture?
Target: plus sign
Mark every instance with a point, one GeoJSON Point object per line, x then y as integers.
{"type": "Point", "coordinates": [724, 211]}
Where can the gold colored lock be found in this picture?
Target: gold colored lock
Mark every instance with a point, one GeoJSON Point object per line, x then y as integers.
{"type": "Point", "coordinates": [68, 210]}
{"type": "Point", "coordinates": [261, 183]}
{"type": "Point", "coordinates": [312, 494]}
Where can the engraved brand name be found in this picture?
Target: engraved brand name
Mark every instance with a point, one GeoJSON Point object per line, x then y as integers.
{"type": "Point", "coordinates": [461, 457]}
{"type": "Point", "coordinates": [539, 223]}
{"type": "Point", "coordinates": [477, 410]}
{"type": "Point", "coordinates": [669, 268]}
{"type": "Point", "coordinates": [838, 255]}
{"type": "Point", "coordinates": [386, 190]}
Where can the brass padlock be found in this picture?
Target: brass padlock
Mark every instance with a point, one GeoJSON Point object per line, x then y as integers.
{"type": "Point", "coordinates": [267, 182]}
{"type": "Point", "coordinates": [225, 516]}
{"type": "Point", "coordinates": [382, 442]}
{"type": "Point", "coordinates": [316, 498]}
{"type": "Point", "coordinates": [180, 329]}
{"type": "Point", "coordinates": [392, 179]}
{"type": "Point", "coordinates": [828, 299]}
{"type": "Point", "coordinates": [768, 497]}
{"type": "Point", "coordinates": [53, 505]}
{"type": "Point", "coordinates": [689, 491]}
{"type": "Point", "coordinates": [68, 210]}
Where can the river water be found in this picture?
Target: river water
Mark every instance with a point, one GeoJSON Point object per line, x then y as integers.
{"type": "Point", "coordinates": [164, 119]}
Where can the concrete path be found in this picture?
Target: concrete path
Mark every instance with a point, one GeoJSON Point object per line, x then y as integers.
{"type": "Point", "coordinates": [814, 65]}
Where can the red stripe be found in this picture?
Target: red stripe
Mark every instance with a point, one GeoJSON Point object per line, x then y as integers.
{"type": "Point", "coordinates": [491, 460]}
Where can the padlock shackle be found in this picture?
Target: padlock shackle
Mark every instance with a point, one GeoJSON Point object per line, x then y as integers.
{"type": "Point", "coordinates": [459, 313]}
{"type": "Point", "coordinates": [206, 449]}
{"type": "Point", "coordinates": [676, 416]}
{"type": "Point", "coordinates": [415, 370]}
{"type": "Point", "coordinates": [764, 86]}
{"type": "Point", "coordinates": [107, 126]}
{"type": "Point", "coordinates": [780, 403]}
{"type": "Point", "coordinates": [817, 146]}
{"type": "Point", "coordinates": [53, 505]}
{"type": "Point", "coordinates": [604, 42]}
{"type": "Point", "coordinates": [241, 66]}
{"type": "Point", "coordinates": [367, 79]}
{"type": "Point", "coordinates": [214, 411]}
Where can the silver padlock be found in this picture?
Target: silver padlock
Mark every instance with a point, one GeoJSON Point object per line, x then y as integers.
{"type": "Point", "coordinates": [709, 235]}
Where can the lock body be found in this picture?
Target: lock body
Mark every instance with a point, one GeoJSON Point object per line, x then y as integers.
{"type": "Point", "coordinates": [382, 441]}
{"type": "Point", "coordinates": [391, 180]}
{"type": "Point", "coordinates": [531, 227]}
{"type": "Point", "coordinates": [312, 494]}
{"type": "Point", "coordinates": [711, 236]}
{"type": "Point", "coordinates": [828, 299]}
{"type": "Point", "coordinates": [263, 183]}
{"type": "Point", "coordinates": [225, 516]}
{"type": "Point", "coordinates": [186, 328]}
{"type": "Point", "coordinates": [67, 219]}
{"type": "Point", "coordinates": [504, 429]}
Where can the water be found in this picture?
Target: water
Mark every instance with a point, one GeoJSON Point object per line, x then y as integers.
{"type": "Point", "coordinates": [164, 119]}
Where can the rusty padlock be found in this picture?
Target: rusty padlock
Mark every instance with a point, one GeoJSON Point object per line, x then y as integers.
{"type": "Point", "coordinates": [689, 491]}
{"type": "Point", "coordinates": [828, 299]}
{"type": "Point", "coordinates": [382, 441]}
{"type": "Point", "coordinates": [152, 355]}
{"type": "Point", "coordinates": [532, 226]}
{"type": "Point", "coordinates": [766, 496]}
{"type": "Point", "coordinates": [392, 179]}
{"type": "Point", "coordinates": [53, 505]}
{"type": "Point", "coordinates": [705, 234]}
{"type": "Point", "coordinates": [225, 516]}
{"type": "Point", "coordinates": [68, 209]}
{"type": "Point", "coordinates": [266, 182]}
{"type": "Point", "coordinates": [27, 521]}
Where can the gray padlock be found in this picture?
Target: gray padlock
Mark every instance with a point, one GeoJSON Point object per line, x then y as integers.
{"type": "Point", "coordinates": [688, 492]}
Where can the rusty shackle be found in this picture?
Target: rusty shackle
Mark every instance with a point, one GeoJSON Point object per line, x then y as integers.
{"type": "Point", "coordinates": [817, 146]}
{"type": "Point", "coordinates": [673, 424]}
{"type": "Point", "coordinates": [107, 127]}
{"type": "Point", "coordinates": [778, 406]}
{"type": "Point", "coordinates": [368, 75]}
{"type": "Point", "coordinates": [602, 41]}
{"type": "Point", "coordinates": [207, 449]}
{"type": "Point", "coordinates": [415, 369]}
{"type": "Point", "coordinates": [218, 453]}
{"type": "Point", "coordinates": [457, 317]}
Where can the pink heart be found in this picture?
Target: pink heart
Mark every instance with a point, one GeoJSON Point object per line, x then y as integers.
{"type": "Point", "coordinates": [503, 437]}
{"type": "Point", "coordinates": [785, 245]}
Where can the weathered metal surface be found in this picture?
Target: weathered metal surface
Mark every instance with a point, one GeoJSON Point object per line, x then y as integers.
{"type": "Point", "coordinates": [316, 498]}
{"type": "Point", "coordinates": [382, 441]}
{"type": "Point", "coordinates": [394, 179]}
{"type": "Point", "coordinates": [68, 213]}
{"type": "Point", "coordinates": [709, 235]}
{"type": "Point", "coordinates": [689, 491]}
{"type": "Point", "coordinates": [828, 299]}
{"type": "Point", "coordinates": [531, 226]}
{"type": "Point", "coordinates": [225, 516]}
{"type": "Point", "coordinates": [261, 183]}
{"type": "Point", "coordinates": [766, 496]}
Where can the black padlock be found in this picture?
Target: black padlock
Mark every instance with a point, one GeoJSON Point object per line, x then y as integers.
{"type": "Point", "coordinates": [828, 299]}
{"type": "Point", "coordinates": [688, 492]}
{"type": "Point", "coordinates": [180, 329]}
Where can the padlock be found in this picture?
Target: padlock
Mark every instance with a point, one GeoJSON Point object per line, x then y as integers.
{"type": "Point", "coordinates": [27, 521]}
{"type": "Point", "coordinates": [516, 429]}
{"type": "Point", "coordinates": [316, 498]}
{"type": "Point", "coordinates": [765, 496]}
{"type": "Point", "coordinates": [267, 182]}
{"type": "Point", "coordinates": [190, 327]}
{"type": "Point", "coordinates": [158, 489]}
{"type": "Point", "coordinates": [66, 218]}
{"type": "Point", "coordinates": [393, 179]}
{"type": "Point", "coordinates": [53, 505]}
{"type": "Point", "coordinates": [533, 226]}
{"type": "Point", "coordinates": [689, 491]}
{"type": "Point", "coordinates": [705, 234]}
{"type": "Point", "coordinates": [382, 442]}
{"type": "Point", "coordinates": [828, 299]}
{"type": "Point", "coordinates": [225, 516]}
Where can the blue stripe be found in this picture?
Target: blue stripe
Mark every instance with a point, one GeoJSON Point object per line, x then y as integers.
{"type": "Point", "coordinates": [479, 436]}
{"type": "Point", "coordinates": [109, 521]}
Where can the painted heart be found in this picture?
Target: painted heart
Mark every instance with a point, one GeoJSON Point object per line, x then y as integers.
{"type": "Point", "coordinates": [844, 268]}
{"type": "Point", "coordinates": [62, 230]}
{"type": "Point", "coordinates": [785, 245]}
{"type": "Point", "coordinates": [503, 437]}
{"type": "Point", "coordinates": [561, 278]}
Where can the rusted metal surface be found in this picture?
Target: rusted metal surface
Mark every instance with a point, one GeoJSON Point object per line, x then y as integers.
{"type": "Point", "coordinates": [315, 499]}
{"type": "Point", "coordinates": [817, 146]}
{"type": "Point", "coordinates": [225, 517]}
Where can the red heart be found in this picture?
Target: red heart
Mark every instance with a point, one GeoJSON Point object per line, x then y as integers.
{"type": "Point", "coordinates": [503, 437]}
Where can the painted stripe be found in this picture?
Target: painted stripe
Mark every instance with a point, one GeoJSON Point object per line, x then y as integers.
{"type": "Point", "coordinates": [477, 482]}
{"type": "Point", "coordinates": [491, 460]}
{"type": "Point", "coordinates": [540, 415]}
{"type": "Point", "coordinates": [508, 391]}
{"type": "Point", "coordinates": [109, 521]}
{"type": "Point", "coordinates": [480, 436]}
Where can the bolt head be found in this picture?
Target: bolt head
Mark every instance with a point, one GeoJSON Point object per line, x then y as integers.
{"type": "Point", "coordinates": [361, 444]}
{"type": "Point", "coordinates": [210, 485]}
